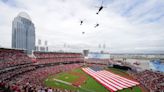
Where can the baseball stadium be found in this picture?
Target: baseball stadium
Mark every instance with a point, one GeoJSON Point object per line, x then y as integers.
{"type": "Point", "coordinates": [72, 72]}
{"type": "Point", "coordinates": [81, 46]}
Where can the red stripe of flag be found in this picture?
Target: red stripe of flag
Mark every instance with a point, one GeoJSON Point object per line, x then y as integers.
{"type": "Point", "coordinates": [122, 80]}
{"type": "Point", "coordinates": [100, 81]}
{"type": "Point", "coordinates": [115, 81]}
{"type": "Point", "coordinates": [130, 81]}
{"type": "Point", "coordinates": [110, 80]}
{"type": "Point", "coordinates": [106, 80]}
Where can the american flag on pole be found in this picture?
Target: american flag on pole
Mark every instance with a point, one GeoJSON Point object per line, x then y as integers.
{"type": "Point", "coordinates": [111, 81]}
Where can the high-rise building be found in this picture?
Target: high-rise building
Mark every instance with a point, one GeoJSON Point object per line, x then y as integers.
{"type": "Point", "coordinates": [42, 47]}
{"type": "Point", "coordinates": [23, 33]}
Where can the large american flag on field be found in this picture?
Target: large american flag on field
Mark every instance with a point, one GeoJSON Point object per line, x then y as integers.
{"type": "Point", "coordinates": [110, 80]}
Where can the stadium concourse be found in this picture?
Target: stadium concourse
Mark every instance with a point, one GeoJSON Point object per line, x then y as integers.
{"type": "Point", "coordinates": [20, 73]}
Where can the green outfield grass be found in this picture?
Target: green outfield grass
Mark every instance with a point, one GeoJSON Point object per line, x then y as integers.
{"type": "Point", "coordinates": [118, 71]}
{"type": "Point", "coordinates": [66, 77]}
{"type": "Point", "coordinates": [90, 85]}
{"type": "Point", "coordinates": [49, 82]}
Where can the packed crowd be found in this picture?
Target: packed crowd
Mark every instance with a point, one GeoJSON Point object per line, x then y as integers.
{"type": "Point", "coordinates": [33, 80]}
{"type": "Point", "coordinates": [32, 77]}
{"type": "Point", "coordinates": [58, 60]}
{"type": "Point", "coordinates": [154, 81]}
{"type": "Point", "coordinates": [9, 58]}
{"type": "Point", "coordinates": [56, 54]}
{"type": "Point", "coordinates": [54, 57]}
{"type": "Point", "coordinates": [14, 72]}
{"type": "Point", "coordinates": [19, 74]}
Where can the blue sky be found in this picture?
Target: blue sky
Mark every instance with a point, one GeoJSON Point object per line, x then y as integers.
{"type": "Point", "coordinates": [125, 25]}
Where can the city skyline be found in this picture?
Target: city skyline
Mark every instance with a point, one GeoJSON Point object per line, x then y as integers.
{"type": "Point", "coordinates": [133, 27]}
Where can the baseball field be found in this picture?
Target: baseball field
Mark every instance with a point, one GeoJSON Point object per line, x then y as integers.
{"type": "Point", "coordinates": [79, 80]}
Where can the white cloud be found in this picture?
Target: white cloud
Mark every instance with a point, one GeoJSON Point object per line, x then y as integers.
{"type": "Point", "coordinates": [124, 25]}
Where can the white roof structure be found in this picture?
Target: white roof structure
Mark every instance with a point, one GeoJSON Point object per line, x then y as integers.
{"type": "Point", "coordinates": [24, 15]}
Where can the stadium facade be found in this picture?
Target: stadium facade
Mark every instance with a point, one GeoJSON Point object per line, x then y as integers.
{"type": "Point", "coordinates": [23, 33]}
{"type": "Point", "coordinates": [98, 55]}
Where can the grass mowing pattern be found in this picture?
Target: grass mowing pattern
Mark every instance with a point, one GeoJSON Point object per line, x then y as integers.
{"type": "Point", "coordinates": [91, 85]}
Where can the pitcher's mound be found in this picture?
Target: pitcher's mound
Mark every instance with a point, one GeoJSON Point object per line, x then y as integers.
{"type": "Point", "coordinates": [66, 77]}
